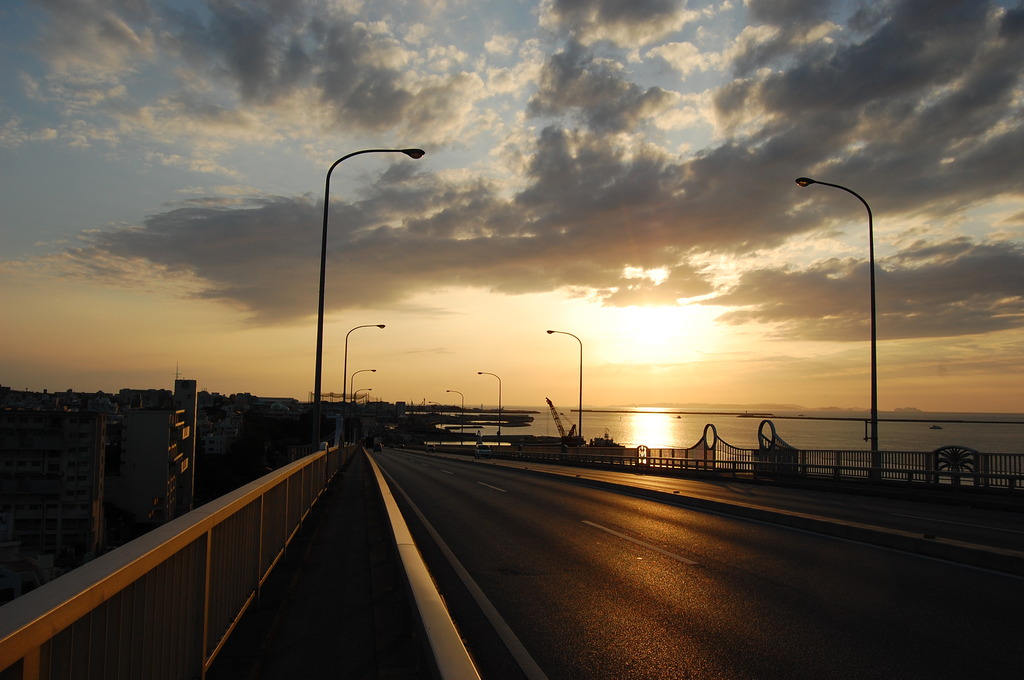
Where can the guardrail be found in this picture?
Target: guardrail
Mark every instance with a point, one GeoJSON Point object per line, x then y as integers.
{"type": "Point", "coordinates": [946, 467]}
{"type": "Point", "coordinates": [163, 605]}
{"type": "Point", "coordinates": [447, 651]}
{"type": "Point", "coordinates": [752, 466]}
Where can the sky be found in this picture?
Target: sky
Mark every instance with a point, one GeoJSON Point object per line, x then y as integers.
{"type": "Point", "coordinates": [621, 170]}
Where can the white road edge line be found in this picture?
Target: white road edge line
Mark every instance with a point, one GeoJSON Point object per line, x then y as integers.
{"type": "Point", "coordinates": [515, 647]}
{"type": "Point", "coordinates": [492, 487]}
{"type": "Point", "coordinates": [655, 548]}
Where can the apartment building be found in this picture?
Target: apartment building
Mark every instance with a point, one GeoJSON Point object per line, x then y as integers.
{"type": "Point", "coordinates": [153, 461]}
{"type": "Point", "coordinates": [51, 480]}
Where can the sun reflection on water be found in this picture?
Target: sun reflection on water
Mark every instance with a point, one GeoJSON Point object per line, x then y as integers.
{"type": "Point", "coordinates": [650, 429]}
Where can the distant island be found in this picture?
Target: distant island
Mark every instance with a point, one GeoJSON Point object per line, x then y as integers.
{"type": "Point", "coordinates": [756, 408]}
{"type": "Point", "coordinates": [761, 408]}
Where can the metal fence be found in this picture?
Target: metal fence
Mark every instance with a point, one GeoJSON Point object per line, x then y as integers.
{"type": "Point", "coordinates": [948, 466]}
{"type": "Point", "coordinates": [163, 605]}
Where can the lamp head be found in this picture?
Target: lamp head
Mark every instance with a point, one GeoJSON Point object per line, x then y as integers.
{"type": "Point", "coordinates": [805, 181]}
{"type": "Point", "coordinates": [380, 325]}
{"type": "Point", "coordinates": [479, 372]}
{"type": "Point", "coordinates": [415, 154]}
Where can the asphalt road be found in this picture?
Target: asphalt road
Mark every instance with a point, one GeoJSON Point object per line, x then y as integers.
{"type": "Point", "coordinates": [944, 522]}
{"type": "Point", "coordinates": [547, 578]}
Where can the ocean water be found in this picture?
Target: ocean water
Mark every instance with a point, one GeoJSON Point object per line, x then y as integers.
{"type": "Point", "coordinates": [900, 431]}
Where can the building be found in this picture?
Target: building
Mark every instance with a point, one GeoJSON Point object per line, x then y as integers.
{"type": "Point", "coordinates": [154, 466]}
{"type": "Point", "coordinates": [219, 436]}
{"type": "Point", "coordinates": [51, 481]}
{"type": "Point", "coordinates": [186, 400]}
{"type": "Point", "coordinates": [155, 481]}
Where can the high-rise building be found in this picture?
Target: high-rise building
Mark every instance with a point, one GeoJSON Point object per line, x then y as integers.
{"type": "Point", "coordinates": [155, 481]}
{"type": "Point", "coordinates": [51, 480]}
{"type": "Point", "coordinates": [186, 399]}
{"type": "Point", "coordinates": [154, 461]}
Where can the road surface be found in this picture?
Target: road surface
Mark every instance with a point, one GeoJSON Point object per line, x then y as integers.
{"type": "Point", "coordinates": [551, 579]}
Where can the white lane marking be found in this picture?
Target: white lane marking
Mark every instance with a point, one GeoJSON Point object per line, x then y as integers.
{"type": "Point", "coordinates": [515, 647]}
{"type": "Point", "coordinates": [963, 524]}
{"type": "Point", "coordinates": [448, 472]}
{"type": "Point", "coordinates": [674, 556]}
{"type": "Point", "coordinates": [492, 487]}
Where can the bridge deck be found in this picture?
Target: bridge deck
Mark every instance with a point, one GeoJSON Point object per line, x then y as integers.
{"type": "Point", "coordinates": [335, 607]}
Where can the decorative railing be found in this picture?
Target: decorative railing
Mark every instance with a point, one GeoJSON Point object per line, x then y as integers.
{"type": "Point", "coordinates": [163, 605]}
{"type": "Point", "coordinates": [948, 466]}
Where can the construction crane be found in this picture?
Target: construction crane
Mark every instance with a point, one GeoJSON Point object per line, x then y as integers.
{"type": "Point", "coordinates": [569, 438]}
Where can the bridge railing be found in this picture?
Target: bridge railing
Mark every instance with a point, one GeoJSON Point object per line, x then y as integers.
{"type": "Point", "coordinates": [821, 465]}
{"type": "Point", "coordinates": [948, 466]}
{"type": "Point", "coordinates": [163, 605]}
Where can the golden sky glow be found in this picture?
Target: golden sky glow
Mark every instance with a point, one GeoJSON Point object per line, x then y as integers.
{"type": "Point", "coordinates": [625, 177]}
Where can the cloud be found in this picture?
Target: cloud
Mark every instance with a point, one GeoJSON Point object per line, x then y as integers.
{"type": "Point", "coordinates": [13, 134]}
{"type": "Point", "coordinates": [915, 106]}
{"type": "Point", "coordinates": [576, 80]}
{"type": "Point", "coordinates": [685, 57]}
{"type": "Point", "coordinates": [923, 113]}
{"type": "Point", "coordinates": [930, 289]}
{"type": "Point", "coordinates": [91, 41]}
{"type": "Point", "coordinates": [788, 12]}
{"type": "Point", "coordinates": [211, 77]}
{"type": "Point", "coordinates": [623, 22]}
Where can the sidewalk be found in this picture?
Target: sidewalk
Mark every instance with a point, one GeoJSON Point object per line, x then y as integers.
{"type": "Point", "coordinates": [335, 606]}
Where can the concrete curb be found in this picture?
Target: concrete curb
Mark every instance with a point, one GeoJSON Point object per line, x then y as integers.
{"type": "Point", "coordinates": [450, 655]}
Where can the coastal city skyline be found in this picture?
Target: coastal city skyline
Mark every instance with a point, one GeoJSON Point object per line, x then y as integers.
{"type": "Point", "coordinates": [621, 173]}
{"type": "Point", "coordinates": [34, 399]}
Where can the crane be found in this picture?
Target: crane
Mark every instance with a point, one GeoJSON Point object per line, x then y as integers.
{"type": "Point", "coordinates": [569, 438]}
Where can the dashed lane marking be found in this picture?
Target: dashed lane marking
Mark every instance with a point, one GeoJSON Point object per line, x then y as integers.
{"type": "Point", "coordinates": [655, 548]}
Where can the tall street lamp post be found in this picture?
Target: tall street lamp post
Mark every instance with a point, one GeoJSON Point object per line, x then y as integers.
{"type": "Point", "coordinates": [352, 382]}
{"type": "Point", "coordinates": [344, 365]}
{"type": "Point", "coordinates": [344, 375]}
{"type": "Point", "coordinates": [411, 153]}
{"type": "Point", "coordinates": [499, 401]}
{"type": "Point", "coordinates": [579, 427]}
{"type": "Point", "coordinates": [807, 181]}
{"type": "Point", "coordinates": [462, 416]}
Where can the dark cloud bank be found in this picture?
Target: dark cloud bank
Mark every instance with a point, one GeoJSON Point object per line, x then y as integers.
{"type": "Point", "coordinates": [915, 104]}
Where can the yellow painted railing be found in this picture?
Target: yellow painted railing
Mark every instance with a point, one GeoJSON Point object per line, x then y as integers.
{"type": "Point", "coordinates": [163, 605]}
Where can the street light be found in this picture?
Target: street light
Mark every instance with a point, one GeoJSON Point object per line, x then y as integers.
{"type": "Point", "coordinates": [579, 427]}
{"type": "Point", "coordinates": [411, 153]}
{"type": "Point", "coordinates": [352, 382]}
{"type": "Point", "coordinates": [344, 374]}
{"type": "Point", "coordinates": [807, 181]}
{"type": "Point", "coordinates": [462, 416]}
{"type": "Point", "coordinates": [499, 401]}
{"type": "Point", "coordinates": [344, 365]}
{"type": "Point", "coordinates": [355, 396]}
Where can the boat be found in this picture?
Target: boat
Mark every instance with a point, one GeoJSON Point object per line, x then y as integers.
{"type": "Point", "coordinates": [935, 427]}
{"type": "Point", "coordinates": [605, 441]}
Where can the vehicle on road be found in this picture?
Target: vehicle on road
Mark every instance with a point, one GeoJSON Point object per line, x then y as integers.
{"type": "Point", "coordinates": [482, 451]}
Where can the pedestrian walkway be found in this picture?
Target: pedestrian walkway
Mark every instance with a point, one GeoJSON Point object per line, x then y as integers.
{"type": "Point", "coordinates": [335, 607]}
